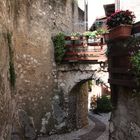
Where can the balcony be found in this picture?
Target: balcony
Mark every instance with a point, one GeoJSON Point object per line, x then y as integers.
{"type": "Point", "coordinates": [84, 50]}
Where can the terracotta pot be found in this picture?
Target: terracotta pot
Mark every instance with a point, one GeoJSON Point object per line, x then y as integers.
{"type": "Point", "coordinates": [75, 37]}
{"type": "Point", "coordinates": [119, 32]}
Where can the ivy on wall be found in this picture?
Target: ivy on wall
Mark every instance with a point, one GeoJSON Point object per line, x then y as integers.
{"type": "Point", "coordinates": [130, 49]}
{"type": "Point", "coordinates": [11, 61]}
{"type": "Point", "coordinates": [59, 47]}
{"type": "Point", "coordinates": [135, 59]}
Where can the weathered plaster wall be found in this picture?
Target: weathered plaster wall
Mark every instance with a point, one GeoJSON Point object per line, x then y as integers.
{"type": "Point", "coordinates": [34, 101]}
{"type": "Point", "coordinates": [125, 120]}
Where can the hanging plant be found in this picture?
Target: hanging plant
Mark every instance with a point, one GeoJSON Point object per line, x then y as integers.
{"type": "Point", "coordinates": [120, 17]}
{"type": "Point", "coordinates": [59, 47]}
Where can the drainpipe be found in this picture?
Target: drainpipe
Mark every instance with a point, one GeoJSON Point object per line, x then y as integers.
{"type": "Point", "coordinates": [86, 14]}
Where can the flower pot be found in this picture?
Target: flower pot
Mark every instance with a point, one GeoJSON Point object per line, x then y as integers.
{"type": "Point", "coordinates": [75, 37]}
{"type": "Point", "coordinates": [120, 32]}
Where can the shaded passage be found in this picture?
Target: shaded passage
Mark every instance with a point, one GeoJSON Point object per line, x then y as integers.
{"type": "Point", "coordinates": [96, 131]}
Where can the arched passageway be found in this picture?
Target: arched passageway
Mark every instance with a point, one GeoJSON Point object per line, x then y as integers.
{"type": "Point", "coordinates": [78, 102]}
{"type": "Point", "coordinates": [73, 82]}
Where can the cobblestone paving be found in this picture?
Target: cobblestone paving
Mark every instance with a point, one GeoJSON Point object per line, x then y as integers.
{"type": "Point", "coordinates": [97, 130]}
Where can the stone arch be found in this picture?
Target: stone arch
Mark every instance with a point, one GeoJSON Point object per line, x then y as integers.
{"type": "Point", "coordinates": [68, 77]}
{"type": "Point", "coordinates": [71, 81]}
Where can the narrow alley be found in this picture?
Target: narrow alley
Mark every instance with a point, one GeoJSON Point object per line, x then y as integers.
{"type": "Point", "coordinates": [98, 129]}
{"type": "Point", "coordinates": [69, 70]}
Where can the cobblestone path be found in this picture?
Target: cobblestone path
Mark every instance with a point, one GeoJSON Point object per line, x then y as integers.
{"type": "Point", "coordinates": [96, 131]}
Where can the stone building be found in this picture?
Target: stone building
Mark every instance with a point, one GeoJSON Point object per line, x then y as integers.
{"type": "Point", "coordinates": [29, 95]}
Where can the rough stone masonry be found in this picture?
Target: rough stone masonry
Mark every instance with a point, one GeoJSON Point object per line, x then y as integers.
{"type": "Point", "coordinates": [29, 96]}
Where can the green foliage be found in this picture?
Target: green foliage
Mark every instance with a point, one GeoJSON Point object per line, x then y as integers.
{"type": "Point", "coordinates": [59, 46]}
{"type": "Point", "coordinates": [135, 60]}
{"type": "Point", "coordinates": [75, 34]}
{"type": "Point", "coordinates": [95, 33]}
{"type": "Point", "coordinates": [101, 31]}
{"type": "Point", "coordinates": [11, 63]}
{"type": "Point", "coordinates": [104, 104]}
{"type": "Point", "coordinates": [90, 34]}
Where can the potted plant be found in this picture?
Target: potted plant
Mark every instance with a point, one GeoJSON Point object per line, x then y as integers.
{"type": "Point", "coordinates": [75, 36]}
{"type": "Point", "coordinates": [120, 24]}
{"type": "Point", "coordinates": [95, 35]}
{"type": "Point", "coordinates": [90, 36]}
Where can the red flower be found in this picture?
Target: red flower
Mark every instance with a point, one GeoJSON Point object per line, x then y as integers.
{"type": "Point", "coordinates": [120, 17]}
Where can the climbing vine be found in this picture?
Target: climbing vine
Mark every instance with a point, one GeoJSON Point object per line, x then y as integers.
{"type": "Point", "coordinates": [59, 47]}
{"type": "Point", "coordinates": [11, 63]}
{"type": "Point", "coordinates": [135, 59]}
{"type": "Point", "coordinates": [129, 49]}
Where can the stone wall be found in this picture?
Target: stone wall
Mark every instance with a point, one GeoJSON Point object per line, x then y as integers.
{"type": "Point", "coordinates": [72, 80]}
{"type": "Point", "coordinates": [81, 20]}
{"type": "Point", "coordinates": [125, 121]}
{"type": "Point", "coordinates": [28, 73]}
{"type": "Point", "coordinates": [7, 103]}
